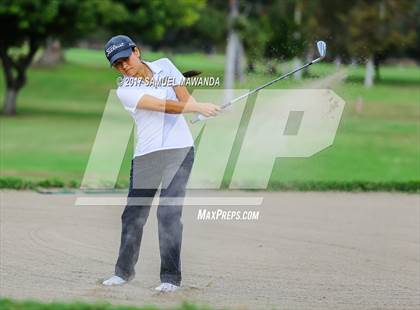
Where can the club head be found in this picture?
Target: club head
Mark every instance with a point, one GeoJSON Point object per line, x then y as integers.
{"type": "Point", "coordinates": [322, 48]}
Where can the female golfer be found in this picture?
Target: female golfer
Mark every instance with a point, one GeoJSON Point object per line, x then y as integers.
{"type": "Point", "coordinates": [164, 154]}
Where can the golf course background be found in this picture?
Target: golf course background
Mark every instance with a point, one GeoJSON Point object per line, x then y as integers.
{"type": "Point", "coordinates": [376, 147]}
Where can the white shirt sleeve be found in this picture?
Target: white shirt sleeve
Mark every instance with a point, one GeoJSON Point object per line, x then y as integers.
{"type": "Point", "coordinates": [174, 72]}
{"type": "Point", "coordinates": [129, 97]}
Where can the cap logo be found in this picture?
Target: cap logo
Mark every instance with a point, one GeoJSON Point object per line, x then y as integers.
{"type": "Point", "coordinates": [112, 48]}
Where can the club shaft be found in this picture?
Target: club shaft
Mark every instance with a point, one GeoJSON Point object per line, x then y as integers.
{"type": "Point", "coordinates": [199, 117]}
{"type": "Point", "coordinates": [268, 84]}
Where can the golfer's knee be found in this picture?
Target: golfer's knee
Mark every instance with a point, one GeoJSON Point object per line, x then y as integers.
{"type": "Point", "coordinates": [135, 215]}
{"type": "Point", "coordinates": [169, 214]}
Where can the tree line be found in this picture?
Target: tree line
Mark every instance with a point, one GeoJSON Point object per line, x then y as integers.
{"type": "Point", "coordinates": [364, 31]}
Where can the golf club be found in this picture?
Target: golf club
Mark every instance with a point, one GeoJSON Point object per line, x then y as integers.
{"type": "Point", "coordinates": [322, 50]}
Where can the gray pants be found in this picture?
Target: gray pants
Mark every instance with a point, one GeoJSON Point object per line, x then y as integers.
{"type": "Point", "coordinates": [170, 168]}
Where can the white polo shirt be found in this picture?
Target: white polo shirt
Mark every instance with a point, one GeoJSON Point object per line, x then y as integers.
{"type": "Point", "coordinates": [155, 130]}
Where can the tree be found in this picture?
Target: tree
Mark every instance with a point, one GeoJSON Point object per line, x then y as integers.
{"type": "Point", "coordinates": [52, 54]}
{"type": "Point", "coordinates": [234, 49]}
{"type": "Point", "coordinates": [364, 30]}
{"type": "Point", "coordinates": [253, 27]}
{"type": "Point", "coordinates": [26, 25]}
{"type": "Point", "coordinates": [150, 20]}
{"type": "Point", "coordinates": [270, 29]}
{"type": "Point", "coordinates": [411, 22]}
{"type": "Point", "coordinates": [208, 32]}
{"type": "Point", "coordinates": [375, 27]}
{"type": "Point", "coordinates": [326, 20]}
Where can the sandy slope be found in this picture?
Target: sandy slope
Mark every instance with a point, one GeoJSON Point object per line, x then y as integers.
{"type": "Point", "coordinates": [306, 251]}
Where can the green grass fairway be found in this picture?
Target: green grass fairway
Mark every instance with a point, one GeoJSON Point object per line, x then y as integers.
{"type": "Point", "coordinates": [60, 108]}
{"type": "Point", "coordinates": [9, 304]}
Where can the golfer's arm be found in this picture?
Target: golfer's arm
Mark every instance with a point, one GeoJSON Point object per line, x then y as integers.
{"type": "Point", "coordinates": [151, 103]}
{"type": "Point", "coordinates": [183, 94]}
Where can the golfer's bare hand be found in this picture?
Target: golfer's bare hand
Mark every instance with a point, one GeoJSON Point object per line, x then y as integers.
{"type": "Point", "coordinates": [208, 109]}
